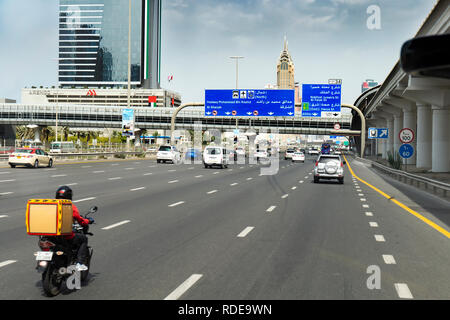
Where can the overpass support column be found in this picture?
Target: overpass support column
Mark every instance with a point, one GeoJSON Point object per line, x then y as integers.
{"type": "Point", "coordinates": [390, 140]}
{"type": "Point", "coordinates": [398, 125]}
{"type": "Point", "coordinates": [410, 121]}
{"type": "Point", "coordinates": [441, 139]}
{"type": "Point", "coordinates": [424, 135]}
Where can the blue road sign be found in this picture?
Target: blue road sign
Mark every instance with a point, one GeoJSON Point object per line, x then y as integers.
{"type": "Point", "coordinates": [378, 133]}
{"type": "Point", "coordinates": [250, 103]}
{"type": "Point", "coordinates": [406, 151]}
{"type": "Point", "coordinates": [321, 100]}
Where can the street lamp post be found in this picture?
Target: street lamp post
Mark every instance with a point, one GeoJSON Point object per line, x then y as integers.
{"type": "Point", "coordinates": [236, 58]}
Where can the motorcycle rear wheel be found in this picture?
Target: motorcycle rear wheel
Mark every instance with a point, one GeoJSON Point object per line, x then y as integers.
{"type": "Point", "coordinates": [51, 282]}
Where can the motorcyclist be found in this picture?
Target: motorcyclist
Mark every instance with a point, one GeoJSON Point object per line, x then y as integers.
{"type": "Point", "coordinates": [78, 240]}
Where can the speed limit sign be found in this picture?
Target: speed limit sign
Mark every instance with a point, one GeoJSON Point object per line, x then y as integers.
{"type": "Point", "coordinates": [337, 126]}
{"type": "Point", "coordinates": [406, 135]}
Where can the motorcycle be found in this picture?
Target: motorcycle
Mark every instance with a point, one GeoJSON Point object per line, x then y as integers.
{"type": "Point", "coordinates": [58, 257]}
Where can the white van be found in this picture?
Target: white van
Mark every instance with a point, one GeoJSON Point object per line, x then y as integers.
{"type": "Point", "coordinates": [215, 156]}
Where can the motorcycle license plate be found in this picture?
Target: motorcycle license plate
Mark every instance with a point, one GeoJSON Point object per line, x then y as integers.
{"type": "Point", "coordinates": [44, 256]}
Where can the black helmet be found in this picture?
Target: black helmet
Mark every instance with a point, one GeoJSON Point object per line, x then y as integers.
{"type": "Point", "coordinates": [64, 192]}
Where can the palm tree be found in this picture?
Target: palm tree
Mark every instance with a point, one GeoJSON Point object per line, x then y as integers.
{"type": "Point", "coordinates": [24, 133]}
{"type": "Point", "coordinates": [46, 134]}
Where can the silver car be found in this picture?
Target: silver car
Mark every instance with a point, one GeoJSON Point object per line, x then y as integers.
{"type": "Point", "coordinates": [329, 166]}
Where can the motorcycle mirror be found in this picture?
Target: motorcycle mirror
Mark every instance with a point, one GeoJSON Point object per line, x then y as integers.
{"type": "Point", "coordinates": [93, 209]}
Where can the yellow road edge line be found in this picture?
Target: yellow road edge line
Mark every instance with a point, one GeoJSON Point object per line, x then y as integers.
{"type": "Point", "coordinates": [401, 205]}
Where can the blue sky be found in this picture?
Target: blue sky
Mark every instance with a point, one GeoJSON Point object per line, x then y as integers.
{"type": "Point", "coordinates": [327, 39]}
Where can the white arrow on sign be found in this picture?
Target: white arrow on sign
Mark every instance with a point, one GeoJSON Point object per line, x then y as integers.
{"type": "Point", "coordinates": [384, 133]}
{"type": "Point", "coordinates": [290, 113]}
{"type": "Point", "coordinates": [208, 113]}
{"type": "Point", "coordinates": [227, 113]}
{"type": "Point", "coordinates": [315, 114]}
{"type": "Point", "coordinates": [249, 113]}
{"type": "Point", "coordinates": [270, 113]}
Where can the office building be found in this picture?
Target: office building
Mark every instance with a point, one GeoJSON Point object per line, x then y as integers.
{"type": "Point", "coordinates": [285, 69]}
{"type": "Point", "coordinates": [93, 43]}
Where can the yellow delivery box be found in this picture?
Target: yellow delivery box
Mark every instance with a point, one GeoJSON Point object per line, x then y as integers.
{"type": "Point", "coordinates": [49, 217]}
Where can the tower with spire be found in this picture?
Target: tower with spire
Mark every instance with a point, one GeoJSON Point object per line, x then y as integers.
{"type": "Point", "coordinates": [285, 69]}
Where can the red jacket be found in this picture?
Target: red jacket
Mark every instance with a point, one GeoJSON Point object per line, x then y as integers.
{"type": "Point", "coordinates": [76, 215]}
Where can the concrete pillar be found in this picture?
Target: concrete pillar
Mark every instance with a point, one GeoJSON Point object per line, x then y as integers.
{"type": "Point", "coordinates": [441, 139]}
{"type": "Point", "coordinates": [423, 136]}
{"type": "Point", "coordinates": [398, 125]}
{"type": "Point", "coordinates": [390, 140]}
{"type": "Point", "coordinates": [410, 121]}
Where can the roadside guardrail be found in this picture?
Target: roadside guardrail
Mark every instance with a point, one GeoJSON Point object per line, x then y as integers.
{"type": "Point", "coordinates": [4, 157]}
{"type": "Point", "coordinates": [438, 187]}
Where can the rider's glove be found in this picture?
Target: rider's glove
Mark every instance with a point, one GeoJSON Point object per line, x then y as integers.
{"type": "Point", "coordinates": [91, 220]}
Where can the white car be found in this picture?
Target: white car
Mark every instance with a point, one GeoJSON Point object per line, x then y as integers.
{"type": "Point", "coordinates": [30, 157]}
{"type": "Point", "coordinates": [288, 154]}
{"type": "Point", "coordinates": [240, 152]}
{"type": "Point", "coordinates": [261, 154]}
{"type": "Point", "coordinates": [215, 156]}
{"type": "Point", "coordinates": [298, 156]}
{"type": "Point", "coordinates": [168, 153]}
{"type": "Point", "coordinates": [313, 151]}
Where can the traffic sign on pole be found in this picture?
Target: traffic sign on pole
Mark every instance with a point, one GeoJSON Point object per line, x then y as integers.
{"type": "Point", "coordinates": [337, 126]}
{"type": "Point", "coordinates": [378, 133]}
{"type": "Point", "coordinates": [406, 151]}
{"type": "Point", "coordinates": [406, 135]}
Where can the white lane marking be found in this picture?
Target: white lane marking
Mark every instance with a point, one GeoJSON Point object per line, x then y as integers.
{"type": "Point", "coordinates": [115, 164]}
{"type": "Point", "coordinates": [148, 174]}
{"type": "Point", "coordinates": [7, 262]}
{"type": "Point", "coordinates": [116, 225]}
{"type": "Point", "coordinates": [4, 172]}
{"type": "Point", "coordinates": [362, 199]}
{"type": "Point", "coordinates": [248, 179]}
{"type": "Point", "coordinates": [191, 168]}
{"type": "Point", "coordinates": [389, 259]}
{"type": "Point", "coordinates": [176, 204]}
{"type": "Point", "coordinates": [59, 175]}
{"type": "Point", "coordinates": [379, 238]}
{"type": "Point", "coordinates": [239, 168]}
{"type": "Point", "coordinates": [365, 206]}
{"type": "Point", "coordinates": [245, 232]}
{"type": "Point", "coordinates": [369, 214]}
{"type": "Point", "coordinates": [285, 196]}
{"type": "Point", "coordinates": [361, 194]}
{"type": "Point", "coordinates": [50, 169]}
{"type": "Point", "coordinates": [306, 177]}
{"type": "Point", "coordinates": [84, 167]}
{"type": "Point", "coordinates": [8, 180]}
{"type": "Point", "coordinates": [171, 170]}
{"type": "Point", "coordinates": [373, 224]}
{"type": "Point", "coordinates": [216, 172]}
{"type": "Point", "coordinates": [173, 181]}
{"type": "Point", "coordinates": [358, 190]}
{"type": "Point", "coordinates": [178, 292]}
{"type": "Point", "coordinates": [234, 184]}
{"type": "Point", "coordinates": [116, 178]}
{"type": "Point", "coordinates": [199, 176]}
{"type": "Point", "coordinates": [71, 184]}
{"type": "Point", "coordinates": [82, 200]}
{"type": "Point", "coordinates": [293, 188]}
{"type": "Point", "coordinates": [153, 166]}
{"type": "Point", "coordinates": [5, 193]}
{"type": "Point", "coordinates": [300, 181]}
{"type": "Point", "coordinates": [282, 167]}
{"type": "Point", "coordinates": [98, 171]}
{"type": "Point", "coordinates": [137, 189]}
{"type": "Point", "coordinates": [129, 168]}
{"type": "Point", "coordinates": [310, 173]}
{"type": "Point", "coordinates": [403, 291]}
{"type": "Point", "coordinates": [270, 209]}
{"type": "Point", "coordinates": [212, 191]}
{"type": "Point", "coordinates": [4, 216]}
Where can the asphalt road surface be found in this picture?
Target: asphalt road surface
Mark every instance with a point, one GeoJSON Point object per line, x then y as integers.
{"type": "Point", "coordinates": [185, 232]}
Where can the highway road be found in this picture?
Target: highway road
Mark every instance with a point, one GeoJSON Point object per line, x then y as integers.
{"type": "Point", "coordinates": [185, 232]}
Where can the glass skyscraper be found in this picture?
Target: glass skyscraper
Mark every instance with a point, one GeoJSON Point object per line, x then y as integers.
{"type": "Point", "coordinates": [93, 43]}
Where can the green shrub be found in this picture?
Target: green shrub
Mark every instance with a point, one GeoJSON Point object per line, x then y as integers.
{"type": "Point", "coordinates": [120, 156]}
{"type": "Point", "coordinates": [140, 155]}
{"type": "Point", "coordinates": [395, 160]}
